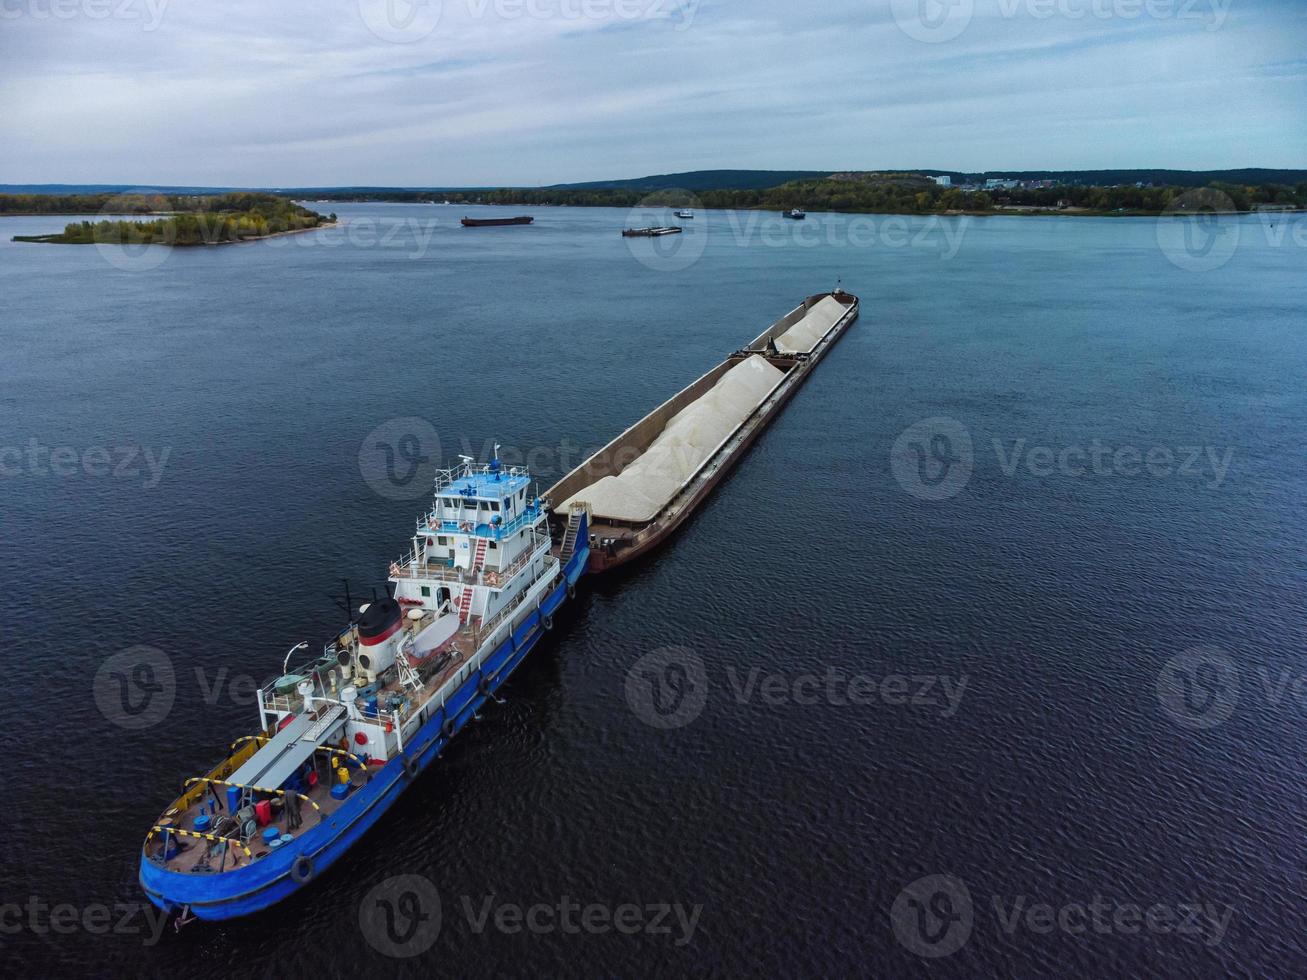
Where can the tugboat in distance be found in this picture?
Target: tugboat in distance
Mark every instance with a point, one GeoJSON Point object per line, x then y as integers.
{"type": "Point", "coordinates": [797, 214]}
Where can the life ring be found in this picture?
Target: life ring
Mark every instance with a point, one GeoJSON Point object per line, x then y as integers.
{"type": "Point", "coordinates": [447, 729]}
{"type": "Point", "coordinates": [411, 766]}
{"type": "Point", "coordinates": [465, 526]}
{"type": "Point", "coordinates": [302, 870]}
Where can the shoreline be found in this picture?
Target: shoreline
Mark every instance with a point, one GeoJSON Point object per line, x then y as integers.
{"type": "Point", "coordinates": [1014, 210]}
{"type": "Point", "coordinates": [48, 239]}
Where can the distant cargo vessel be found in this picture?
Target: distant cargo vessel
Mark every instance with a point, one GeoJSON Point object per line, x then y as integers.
{"type": "Point", "coordinates": [639, 488]}
{"type": "Point", "coordinates": [495, 222]}
{"type": "Point", "coordinates": [650, 232]}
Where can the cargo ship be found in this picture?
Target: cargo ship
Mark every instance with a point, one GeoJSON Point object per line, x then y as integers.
{"type": "Point", "coordinates": [496, 222]}
{"type": "Point", "coordinates": [655, 232]}
{"type": "Point", "coordinates": [343, 734]}
{"type": "Point", "coordinates": [643, 485]}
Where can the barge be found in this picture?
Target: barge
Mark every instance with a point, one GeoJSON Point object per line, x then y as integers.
{"type": "Point", "coordinates": [641, 487]}
{"type": "Point", "coordinates": [496, 222]}
{"type": "Point", "coordinates": [655, 232]}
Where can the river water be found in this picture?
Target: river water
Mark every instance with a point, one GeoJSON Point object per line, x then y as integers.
{"type": "Point", "coordinates": [996, 634]}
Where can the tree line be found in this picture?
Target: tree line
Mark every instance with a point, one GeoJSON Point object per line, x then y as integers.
{"type": "Point", "coordinates": [893, 194]}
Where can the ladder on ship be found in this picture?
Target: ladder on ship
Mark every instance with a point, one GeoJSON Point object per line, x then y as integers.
{"type": "Point", "coordinates": [408, 674]}
{"type": "Point", "coordinates": [479, 558]}
{"type": "Point", "coordinates": [569, 536]}
{"type": "Point", "coordinates": [464, 605]}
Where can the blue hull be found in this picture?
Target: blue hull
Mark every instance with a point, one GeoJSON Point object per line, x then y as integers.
{"type": "Point", "coordinates": [243, 891]}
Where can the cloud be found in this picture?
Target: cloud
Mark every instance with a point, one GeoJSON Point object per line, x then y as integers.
{"type": "Point", "coordinates": [540, 91]}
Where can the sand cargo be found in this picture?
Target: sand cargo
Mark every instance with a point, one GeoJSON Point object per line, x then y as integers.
{"type": "Point", "coordinates": [639, 488]}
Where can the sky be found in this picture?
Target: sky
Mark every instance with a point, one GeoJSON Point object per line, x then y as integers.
{"type": "Point", "coordinates": [284, 93]}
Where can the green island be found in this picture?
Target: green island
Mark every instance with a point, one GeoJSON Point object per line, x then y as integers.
{"type": "Point", "coordinates": [182, 220]}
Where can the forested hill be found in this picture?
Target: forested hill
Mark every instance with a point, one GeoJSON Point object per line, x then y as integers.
{"type": "Point", "coordinates": [708, 180]}
{"type": "Point", "coordinates": [704, 180]}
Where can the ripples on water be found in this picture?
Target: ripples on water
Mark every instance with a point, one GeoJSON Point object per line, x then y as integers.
{"type": "Point", "coordinates": [1058, 600]}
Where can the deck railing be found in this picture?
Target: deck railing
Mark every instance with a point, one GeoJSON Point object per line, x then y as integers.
{"type": "Point", "coordinates": [446, 477]}
{"type": "Point", "coordinates": [410, 567]}
{"type": "Point", "coordinates": [433, 523]}
{"type": "Point", "coordinates": [488, 628]}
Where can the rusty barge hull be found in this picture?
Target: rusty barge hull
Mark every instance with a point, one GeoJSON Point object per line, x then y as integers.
{"type": "Point", "coordinates": [613, 543]}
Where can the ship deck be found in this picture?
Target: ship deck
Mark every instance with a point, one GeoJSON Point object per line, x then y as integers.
{"type": "Point", "coordinates": [202, 855]}
{"type": "Point", "coordinates": [213, 855]}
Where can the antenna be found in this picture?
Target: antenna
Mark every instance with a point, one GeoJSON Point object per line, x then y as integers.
{"type": "Point", "coordinates": [345, 604]}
